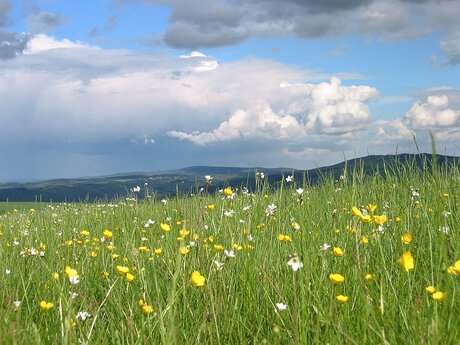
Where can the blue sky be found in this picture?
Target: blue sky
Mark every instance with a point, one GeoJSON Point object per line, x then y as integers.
{"type": "Point", "coordinates": [100, 87]}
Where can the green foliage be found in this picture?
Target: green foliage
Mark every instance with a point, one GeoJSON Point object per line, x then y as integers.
{"type": "Point", "coordinates": [238, 302]}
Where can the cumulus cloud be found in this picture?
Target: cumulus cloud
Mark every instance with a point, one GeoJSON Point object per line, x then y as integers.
{"type": "Point", "coordinates": [324, 108]}
{"type": "Point", "coordinates": [435, 112]}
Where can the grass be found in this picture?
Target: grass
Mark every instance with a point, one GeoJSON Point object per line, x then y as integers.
{"type": "Point", "coordinates": [238, 302]}
{"type": "Point", "coordinates": [20, 205]}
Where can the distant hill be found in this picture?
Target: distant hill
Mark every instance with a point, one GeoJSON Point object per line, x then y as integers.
{"type": "Point", "coordinates": [166, 183]}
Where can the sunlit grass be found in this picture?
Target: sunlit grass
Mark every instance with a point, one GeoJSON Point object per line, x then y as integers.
{"type": "Point", "coordinates": [347, 261]}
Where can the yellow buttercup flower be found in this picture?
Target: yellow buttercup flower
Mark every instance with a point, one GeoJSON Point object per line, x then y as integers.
{"type": "Point", "coordinates": [147, 309]}
{"type": "Point", "coordinates": [45, 306]}
{"type": "Point", "coordinates": [337, 251]}
{"type": "Point", "coordinates": [85, 233]}
{"type": "Point", "coordinates": [71, 272]}
{"type": "Point", "coordinates": [430, 289]}
{"type": "Point", "coordinates": [284, 238]}
{"type": "Point", "coordinates": [369, 277]}
{"type": "Point", "coordinates": [406, 238]}
{"type": "Point", "coordinates": [165, 227]}
{"type": "Point", "coordinates": [439, 296]}
{"type": "Point", "coordinates": [455, 269]}
{"type": "Point", "coordinates": [184, 232]}
{"type": "Point", "coordinates": [158, 251]}
{"type": "Point", "coordinates": [130, 277]}
{"type": "Point", "coordinates": [228, 191]}
{"type": "Point", "coordinates": [342, 299]}
{"type": "Point", "coordinates": [364, 240]}
{"type": "Point", "coordinates": [122, 269]}
{"type": "Point", "coordinates": [380, 220]}
{"type": "Point", "coordinates": [107, 234]}
{"type": "Point", "coordinates": [218, 247]}
{"type": "Point", "coordinates": [185, 250]}
{"type": "Point", "coordinates": [197, 279]}
{"type": "Point", "coordinates": [407, 261]}
{"type": "Point", "coordinates": [372, 207]}
{"type": "Point", "coordinates": [336, 278]}
{"type": "Point", "coordinates": [211, 207]}
{"type": "Point", "coordinates": [356, 212]}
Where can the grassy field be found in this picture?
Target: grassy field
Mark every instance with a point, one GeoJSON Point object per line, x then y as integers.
{"type": "Point", "coordinates": [358, 260]}
{"type": "Point", "coordinates": [20, 206]}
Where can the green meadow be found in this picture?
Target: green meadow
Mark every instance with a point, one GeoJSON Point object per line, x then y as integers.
{"type": "Point", "coordinates": [362, 259]}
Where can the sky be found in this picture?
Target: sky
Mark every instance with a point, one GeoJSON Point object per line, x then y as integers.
{"type": "Point", "coordinates": [90, 88]}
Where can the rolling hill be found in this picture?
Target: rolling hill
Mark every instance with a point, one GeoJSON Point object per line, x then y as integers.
{"type": "Point", "coordinates": [191, 179]}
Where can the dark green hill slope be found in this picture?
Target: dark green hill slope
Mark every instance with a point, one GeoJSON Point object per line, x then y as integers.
{"type": "Point", "coordinates": [191, 179]}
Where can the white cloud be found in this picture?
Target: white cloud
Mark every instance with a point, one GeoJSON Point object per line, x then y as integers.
{"type": "Point", "coordinates": [434, 112]}
{"type": "Point", "coordinates": [40, 43]}
{"type": "Point", "coordinates": [325, 108]}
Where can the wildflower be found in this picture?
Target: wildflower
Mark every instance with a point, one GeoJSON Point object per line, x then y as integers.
{"type": "Point", "coordinates": [16, 304]}
{"type": "Point", "coordinates": [407, 261]}
{"type": "Point", "coordinates": [444, 229]}
{"type": "Point", "coordinates": [455, 269]}
{"type": "Point", "coordinates": [324, 247]}
{"type": "Point", "coordinates": [72, 274]}
{"type": "Point", "coordinates": [107, 234]}
{"type": "Point", "coordinates": [85, 233]}
{"type": "Point", "coordinates": [197, 279]}
{"type": "Point", "coordinates": [136, 189]}
{"type": "Point", "coordinates": [219, 265]}
{"type": "Point", "coordinates": [208, 178]}
{"type": "Point", "coordinates": [284, 238]}
{"type": "Point", "coordinates": [295, 225]}
{"type": "Point", "coordinates": [372, 207]}
{"type": "Point", "coordinates": [368, 277]}
{"type": "Point", "coordinates": [438, 296]}
{"type": "Point", "coordinates": [380, 220]}
{"type": "Point", "coordinates": [229, 213]}
{"type": "Point", "coordinates": [130, 277]}
{"type": "Point", "coordinates": [299, 191]}
{"type": "Point", "coordinates": [210, 207]}
{"type": "Point", "coordinates": [337, 251]}
{"type": "Point", "coordinates": [7, 271]}
{"type": "Point", "coordinates": [158, 251]}
{"type": "Point", "coordinates": [147, 309]}
{"type": "Point", "coordinates": [228, 191]}
{"type": "Point", "coordinates": [342, 299]}
{"type": "Point", "coordinates": [184, 232]}
{"type": "Point", "coordinates": [397, 219]}
{"type": "Point", "coordinates": [260, 175]}
{"type": "Point", "coordinates": [165, 227]}
{"type": "Point", "coordinates": [356, 212]}
{"type": "Point", "coordinates": [56, 276]}
{"type": "Point", "coordinates": [229, 254]}
{"type": "Point", "coordinates": [83, 315]}
{"type": "Point", "coordinates": [289, 178]}
{"type": "Point", "coordinates": [430, 289]}
{"type": "Point", "coordinates": [336, 278]}
{"type": "Point", "coordinates": [45, 306]}
{"type": "Point", "coordinates": [281, 306]}
{"type": "Point", "coordinates": [218, 247]}
{"type": "Point", "coordinates": [270, 210]}
{"type": "Point", "coordinates": [122, 269]}
{"type": "Point", "coordinates": [406, 238]}
{"type": "Point", "coordinates": [295, 262]}
{"type": "Point", "coordinates": [364, 240]}
{"type": "Point", "coordinates": [144, 249]}
{"type": "Point", "coordinates": [185, 250]}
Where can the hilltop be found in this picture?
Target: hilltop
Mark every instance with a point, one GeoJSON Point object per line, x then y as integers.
{"type": "Point", "coordinates": [191, 179]}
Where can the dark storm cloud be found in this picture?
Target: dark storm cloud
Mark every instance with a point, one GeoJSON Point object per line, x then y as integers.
{"type": "Point", "coordinates": [12, 44]}
{"type": "Point", "coordinates": [210, 23]}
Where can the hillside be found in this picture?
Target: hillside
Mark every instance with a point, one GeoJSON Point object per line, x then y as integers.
{"type": "Point", "coordinates": [166, 183]}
